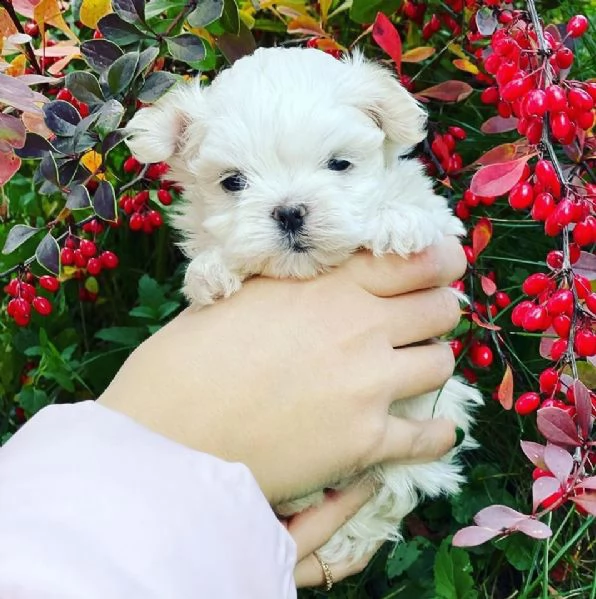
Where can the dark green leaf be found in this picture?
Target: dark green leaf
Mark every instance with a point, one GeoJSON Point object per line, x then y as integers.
{"type": "Point", "coordinates": [110, 115]}
{"type": "Point", "coordinates": [146, 59]}
{"type": "Point", "coordinates": [132, 11]}
{"type": "Point", "coordinates": [151, 293]}
{"type": "Point", "coordinates": [402, 557]}
{"type": "Point", "coordinates": [17, 236]}
{"type": "Point", "coordinates": [128, 336]}
{"type": "Point", "coordinates": [35, 147]}
{"type": "Point", "coordinates": [49, 169]}
{"type": "Point", "coordinates": [365, 11]}
{"type": "Point", "coordinates": [122, 72]}
{"type": "Point", "coordinates": [48, 254]}
{"type": "Point", "coordinates": [32, 399]}
{"type": "Point", "coordinates": [117, 30]}
{"type": "Point", "coordinates": [78, 198]}
{"type": "Point", "coordinates": [156, 85]}
{"type": "Point", "coordinates": [234, 47]}
{"type": "Point", "coordinates": [84, 87]}
{"type": "Point", "coordinates": [157, 7]}
{"type": "Point", "coordinates": [83, 142]}
{"type": "Point", "coordinates": [144, 312]}
{"type": "Point", "coordinates": [111, 140]}
{"type": "Point", "coordinates": [100, 54]}
{"type": "Point", "coordinates": [519, 551]}
{"type": "Point", "coordinates": [66, 171]}
{"type": "Point", "coordinates": [205, 13]}
{"type": "Point", "coordinates": [61, 117]}
{"type": "Point", "coordinates": [104, 201]}
{"type": "Point", "coordinates": [230, 20]}
{"type": "Point", "coordinates": [453, 574]}
{"type": "Point", "coordinates": [186, 47]}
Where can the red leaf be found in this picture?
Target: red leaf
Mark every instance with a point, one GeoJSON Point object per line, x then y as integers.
{"type": "Point", "coordinates": [497, 179]}
{"type": "Point", "coordinates": [488, 285]}
{"type": "Point", "coordinates": [558, 461]}
{"type": "Point", "coordinates": [481, 235]}
{"type": "Point", "coordinates": [485, 325]}
{"type": "Point", "coordinates": [448, 91]}
{"type": "Point", "coordinates": [542, 488]}
{"type": "Point", "coordinates": [557, 427]}
{"type": "Point", "coordinates": [505, 392]}
{"type": "Point", "coordinates": [533, 528]}
{"type": "Point", "coordinates": [498, 124]}
{"type": "Point", "coordinates": [387, 38]}
{"type": "Point", "coordinates": [534, 452]}
{"type": "Point", "coordinates": [586, 266]}
{"type": "Point", "coordinates": [546, 342]}
{"type": "Point", "coordinates": [583, 405]}
{"type": "Point", "coordinates": [473, 535]}
{"type": "Point", "coordinates": [588, 502]}
{"type": "Point", "coordinates": [9, 165]}
{"type": "Point", "coordinates": [498, 517]}
{"type": "Point", "coordinates": [502, 153]}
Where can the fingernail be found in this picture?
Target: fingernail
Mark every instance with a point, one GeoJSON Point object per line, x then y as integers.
{"type": "Point", "coordinates": [460, 435]}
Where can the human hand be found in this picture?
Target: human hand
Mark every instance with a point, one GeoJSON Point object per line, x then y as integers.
{"type": "Point", "coordinates": [295, 378]}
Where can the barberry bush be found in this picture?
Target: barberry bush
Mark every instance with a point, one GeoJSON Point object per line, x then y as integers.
{"type": "Point", "coordinates": [89, 267]}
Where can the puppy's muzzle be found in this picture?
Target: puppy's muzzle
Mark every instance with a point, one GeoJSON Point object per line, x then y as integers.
{"type": "Point", "coordinates": [290, 219]}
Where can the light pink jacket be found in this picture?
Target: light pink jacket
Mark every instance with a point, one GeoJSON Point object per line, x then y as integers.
{"type": "Point", "coordinates": [94, 506]}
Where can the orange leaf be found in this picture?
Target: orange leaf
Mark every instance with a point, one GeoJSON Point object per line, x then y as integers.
{"type": "Point", "coordinates": [387, 38]}
{"type": "Point", "coordinates": [481, 235]}
{"type": "Point", "coordinates": [483, 323]}
{"type": "Point", "coordinates": [463, 64]}
{"type": "Point", "coordinates": [48, 12]}
{"type": "Point", "coordinates": [488, 285]}
{"type": "Point", "coordinates": [497, 179]}
{"type": "Point", "coordinates": [448, 91]}
{"type": "Point", "coordinates": [305, 24]}
{"type": "Point", "coordinates": [505, 393]}
{"type": "Point", "coordinates": [418, 54]}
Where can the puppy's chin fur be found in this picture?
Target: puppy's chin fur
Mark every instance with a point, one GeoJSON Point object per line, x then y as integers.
{"type": "Point", "coordinates": [284, 123]}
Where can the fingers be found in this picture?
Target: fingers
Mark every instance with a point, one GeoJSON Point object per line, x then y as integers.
{"type": "Point", "coordinates": [308, 572]}
{"type": "Point", "coordinates": [312, 528]}
{"type": "Point", "coordinates": [418, 316]}
{"type": "Point", "coordinates": [415, 442]}
{"type": "Point", "coordinates": [391, 275]}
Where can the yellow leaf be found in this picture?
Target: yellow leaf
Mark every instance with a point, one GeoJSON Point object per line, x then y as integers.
{"type": "Point", "coordinates": [463, 64]}
{"type": "Point", "coordinates": [93, 10]}
{"type": "Point", "coordinates": [246, 16]}
{"type": "Point", "coordinates": [418, 54]}
{"type": "Point", "coordinates": [7, 27]}
{"type": "Point", "coordinates": [456, 49]}
{"type": "Point", "coordinates": [17, 66]}
{"type": "Point", "coordinates": [305, 24]}
{"type": "Point", "coordinates": [92, 162]}
{"type": "Point", "coordinates": [48, 12]}
{"type": "Point", "coordinates": [324, 6]}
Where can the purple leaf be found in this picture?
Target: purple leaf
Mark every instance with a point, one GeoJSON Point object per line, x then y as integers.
{"type": "Point", "coordinates": [498, 517]}
{"type": "Point", "coordinates": [583, 405]}
{"type": "Point", "coordinates": [543, 487]}
{"type": "Point", "coordinates": [473, 535]}
{"type": "Point", "coordinates": [588, 483]}
{"type": "Point", "coordinates": [17, 94]}
{"type": "Point", "coordinates": [557, 427]}
{"type": "Point", "coordinates": [534, 452]}
{"type": "Point", "coordinates": [558, 461]}
{"type": "Point", "coordinates": [586, 265]}
{"type": "Point", "coordinates": [48, 254]}
{"type": "Point", "coordinates": [534, 528]}
{"type": "Point", "coordinates": [546, 343]}
{"type": "Point", "coordinates": [588, 502]}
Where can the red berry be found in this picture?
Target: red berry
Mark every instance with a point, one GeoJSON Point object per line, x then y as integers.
{"type": "Point", "coordinates": [83, 109]}
{"type": "Point", "coordinates": [136, 222]}
{"type": "Point", "coordinates": [562, 325]}
{"type": "Point", "coordinates": [583, 233]}
{"type": "Point", "coordinates": [462, 211]}
{"type": "Point", "coordinates": [563, 57]}
{"type": "Point", "coordinates": [42, 305]}
{"type": "Point", "coordinates": [471, 199]}
{"type": "Point", "coordinates": [536, 319]}
{"type": "Point", "coordinates": [556, 99]}
{"type": "Point", "coordinates": [147, 225]}
{"type": "Point", "coordinates": [561, 126]}
{"type": "Point", "coordinates": [88, 248]}
{"type": "Point", "coordinates": [515, 89]}
{"type": "Point", "coordinates": [458, 286]}
{"type": "Point", "coordinates": [591, 302]}
{"type": "Point", "coordinates": [540, 473]}
{"type": "Point", "coordinates": [502, 300]}
{"type": "Point", "coordinates": [519, 312]}
{"type": "Point", "coordinates": [585, 120]}
{"type": "Point", "coordinates": [560, 302]}
{"type": "Point", "coordinates": [457, 132]}
{"type": "Point", "coordinates": [109, 260]}
{"type": "Point", "coordinates": [64, 94]}
{"type": "Point", "coordinates": [80, 259]}
{"type": "Point", "coordinates": [469, 252]}
{"type": "Point", "coordinates": [94, 266]}
{"type": "Point", "coordinates": [481, 356]}
{"type": "Point", "coordinates": [582, 286]}
{"type": "Point", "coordinates": [31, 28]}
{"type": "Point", "coordinates": [97, 35]}
{"type": "Point", "coordinates": [552, 499]}
{"type": "Point", "coordinates": [155, 218]}
{"type": "Point", "coordinates": [26, 291]}
{"type": "Point", "coordinates": [536, 283]}
{"type": "Point", "coordinates": [521, 196]}
{"type": "Point", "coordinates": [534, 131]}
{"type": "Point", "coordinates": [131, 165]}
{"type": "Point", "coordinates": [548, 380]}
{"type": "Point", "coordinates": [546, 174]}
{"type": "Point", "coordinates": [457, 347]}
{"type": "Point", "coordinates": [527, 403]}
{"type": "Point", "coordinates": [49, 283]}
{"type": "Point", "coordinates": [585, 343]}
{"type": "Point", "coordinates": [490, 95]}
{"type": "Point", "coordinates": [164, 196]}
{"type": "Point", "coordinates": [580, 99]}
{"type": "Point", "coordinates": [558, 349]}
{"type": "Point", "coordinates": [140, 198]}
{"type": "Point", "coordinates": [577, 26]}
{"type": "Point", "coordinates": [12, 288]}
{"type": "Point", "coordinates": [154, 171]}
{"type": "Point", "coordinates": [535, 103]}
{"type": "Point", "coordinates": [67, 256]}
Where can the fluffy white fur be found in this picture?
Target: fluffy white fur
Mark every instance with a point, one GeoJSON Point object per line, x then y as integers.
{"type": "Point", "coordinates": [278, 117]}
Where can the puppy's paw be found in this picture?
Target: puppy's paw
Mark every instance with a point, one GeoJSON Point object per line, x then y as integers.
{"type": "Point", "coordinates": [208, 279]}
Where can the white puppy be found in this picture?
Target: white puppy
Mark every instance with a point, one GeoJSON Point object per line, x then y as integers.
{"type": "Point", "coordinates": [290, 161]}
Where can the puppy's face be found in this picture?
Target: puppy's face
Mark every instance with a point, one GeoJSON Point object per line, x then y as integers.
{"type": "Point", "coordinates": [281, 157]}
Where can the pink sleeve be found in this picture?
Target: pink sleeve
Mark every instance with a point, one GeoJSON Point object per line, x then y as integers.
{"type": "Point", "coordinates": [93, 505]}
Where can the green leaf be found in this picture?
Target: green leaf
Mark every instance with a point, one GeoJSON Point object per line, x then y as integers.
{"type": "Point", "coordinates": [131, 11]}
{"type": "Point", "coordinates": [127, 336]}
{"type": "Point", "coordinates": [146, 59]}
{"type": "Point", "coordinates": [168, 308]}
{"type": "Point", "coordinates": [453, 573]}
{"type": "Point", "coordinates": [84, 87]}
{"type": "Point", "coordinates": [17, 237]}
{"type": "Point", "coordinates": [365, 11]}
{"type": "Point", "coordinates": [111, 140]}
{"type": "Point", "coordinates": [519, 551]}
{"type": "Point", "coordinates": [117, 30]}
{"type": "Point", "coordinates": [122, 72]}
{"type": "Point", "coordinates": [205, 13]}
{"type": "Point", "coordinates": [230, 19]}
{"type": "Point", "coordinates": [144, 312]}
{"type": "Point", "coordinates": [157, 7]}
{"type": "Point", "coordinates": [104, 201]}
{"type": "Point", "coordinates": [109, 117]}
{"type": "Point", "coordinates": [32, 399]}
{"type": "Point", "coordinates": [156, 85]}
{"type": "Point", "coordinates": [186, 47]}
{"type": "Point", "coordinates": [100, 54]}
{"type": "Point", "coordinates": [151, 293]}
{"type": "Point", "coordinates": [402, 557]}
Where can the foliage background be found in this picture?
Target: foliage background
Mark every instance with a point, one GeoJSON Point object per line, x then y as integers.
{"type": "Point", "coordinates": [73, 354]}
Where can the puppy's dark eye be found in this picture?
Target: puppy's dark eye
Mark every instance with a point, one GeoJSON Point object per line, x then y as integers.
{"type": "Point", "coordinates": [338, 165]}
{"type": "Point", "coordinates": [235, 182]}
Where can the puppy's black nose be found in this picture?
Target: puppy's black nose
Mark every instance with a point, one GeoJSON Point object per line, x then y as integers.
{"type": "Point", "coordinates": [289, 218]}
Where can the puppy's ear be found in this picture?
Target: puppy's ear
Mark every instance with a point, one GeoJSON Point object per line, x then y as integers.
{"type": "Point", "coordinates": [158, 132]}
{"type": "Point", "coordinates": [375, 91]}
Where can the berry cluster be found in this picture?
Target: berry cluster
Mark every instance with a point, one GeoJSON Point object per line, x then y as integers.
{"type": "Point", "coordinates": [25, 296]}
{"type": "Point", "coordinates": [66, 96]}
{"type": "Point", "coordinates": [141, 216]}
{"type": "Point", "coordinates": [443, 147]}
{"type": "Point", "coordinates": [416, 12]}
